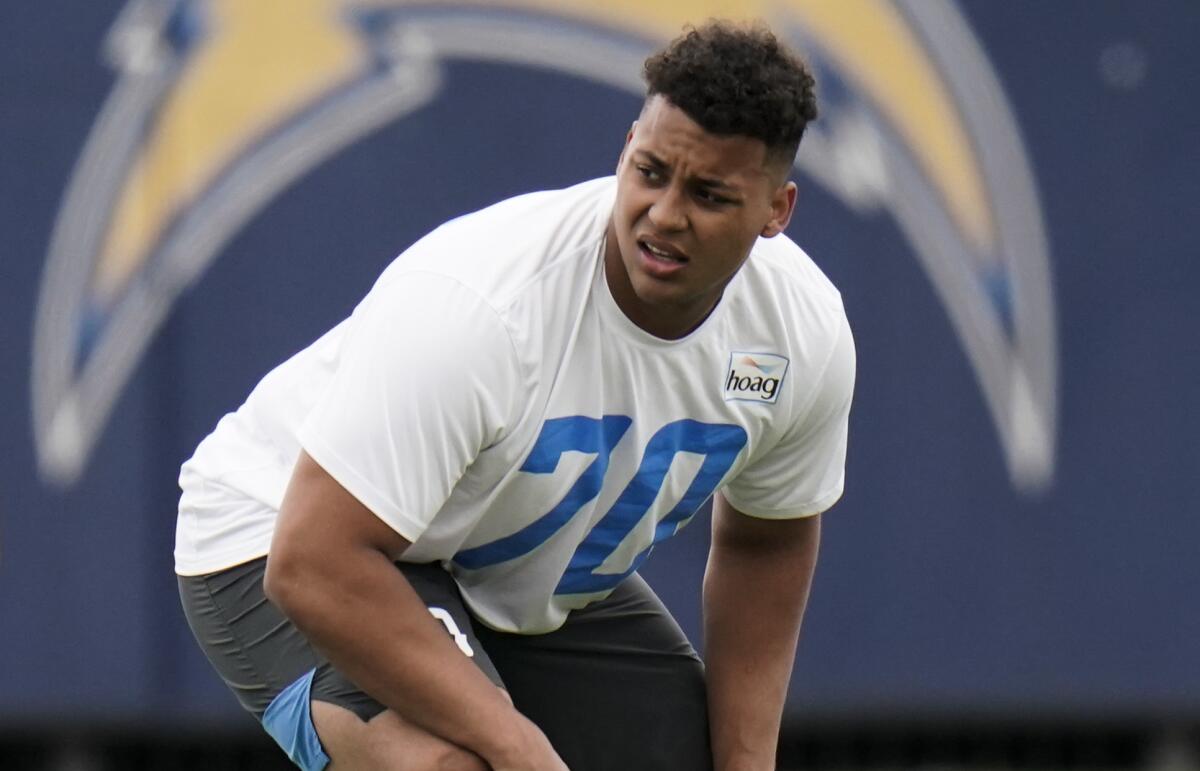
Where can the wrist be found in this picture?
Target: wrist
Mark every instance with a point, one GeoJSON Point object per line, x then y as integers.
{"type": "Point", "coordinates": [742, 754]}
{"type": "Point", "coordinates": [747, 763]}
{"type": "Point", "coordinates": [519, 740]}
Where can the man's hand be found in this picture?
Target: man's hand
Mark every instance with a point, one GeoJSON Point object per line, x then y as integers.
{"type": "Point", "coordinates": [755, 589]}
{"type": "Point", "coordinates": [536, 754]}
{"type": "Point", "coordinates": [331, 571]}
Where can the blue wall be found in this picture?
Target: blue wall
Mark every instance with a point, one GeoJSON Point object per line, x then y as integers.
{"type": "Point", "coordinates": [944, 587]}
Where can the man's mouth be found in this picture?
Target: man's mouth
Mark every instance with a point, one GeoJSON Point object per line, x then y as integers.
{"type": "Point", "coordinates": [663, 253]}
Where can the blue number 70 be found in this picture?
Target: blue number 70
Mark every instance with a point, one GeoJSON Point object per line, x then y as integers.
{"type": "Point", "coordinates": [718, 443]}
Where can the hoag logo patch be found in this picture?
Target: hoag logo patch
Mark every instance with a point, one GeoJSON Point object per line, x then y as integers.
{"type": "Point", "coordinates": [755, 377]}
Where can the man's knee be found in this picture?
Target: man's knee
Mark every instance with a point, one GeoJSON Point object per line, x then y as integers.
{"type": "Point", "coordinates": [387, 741]}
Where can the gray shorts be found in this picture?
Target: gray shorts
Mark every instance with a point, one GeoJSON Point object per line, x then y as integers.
{"type": "Point", "coordinates": [617, 687]}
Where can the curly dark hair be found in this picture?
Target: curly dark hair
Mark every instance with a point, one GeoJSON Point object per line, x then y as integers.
{"type": "Point", "coordinates": [737, 80]}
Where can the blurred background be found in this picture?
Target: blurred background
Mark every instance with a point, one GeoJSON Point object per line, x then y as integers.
{"type": "Point", "coordinates": [1005, 192]}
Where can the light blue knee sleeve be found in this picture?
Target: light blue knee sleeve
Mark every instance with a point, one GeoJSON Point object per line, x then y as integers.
{"type": "Point", "coordinates": [289, 722]}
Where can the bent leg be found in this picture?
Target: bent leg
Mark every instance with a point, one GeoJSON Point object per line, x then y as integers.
{"type": "Point", "coordinates": [386, 742]}
{"type": "Point", "coordinates": [617, 688]}
{"type": "Point", "coordinates": [312, 711]}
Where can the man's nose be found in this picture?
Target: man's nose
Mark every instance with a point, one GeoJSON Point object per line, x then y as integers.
{"type": "Point", "coordinates": [669, 210]}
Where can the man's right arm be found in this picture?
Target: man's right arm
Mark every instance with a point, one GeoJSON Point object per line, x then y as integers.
{"type": "Point", "coordinates": [330, 571]}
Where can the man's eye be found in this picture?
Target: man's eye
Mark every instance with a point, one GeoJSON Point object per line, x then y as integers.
{"type": "Point", "coordinates": [710, 197]}
{"type": "Point", "coordinates": [649, 174]}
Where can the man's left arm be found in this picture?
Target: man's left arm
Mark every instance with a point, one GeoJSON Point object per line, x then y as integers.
{"type": "Point", "coordinates": [755, 589]}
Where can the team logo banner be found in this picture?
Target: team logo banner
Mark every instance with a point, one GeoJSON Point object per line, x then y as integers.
{"type": "Point", "coordinates": [219, 105]}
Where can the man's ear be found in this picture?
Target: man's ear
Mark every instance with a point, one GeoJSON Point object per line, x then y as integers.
{"type": "Point", "coordinates": [628, 139]}
{"type": "Point", "coordinates": [783, 203]}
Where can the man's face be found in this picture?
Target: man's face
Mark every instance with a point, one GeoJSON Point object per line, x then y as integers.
{"type": "Point", "coordinates": [689, 206]}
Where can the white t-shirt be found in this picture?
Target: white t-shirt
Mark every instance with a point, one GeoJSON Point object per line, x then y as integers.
{"type": "Point", "coordinates": [490, 402]}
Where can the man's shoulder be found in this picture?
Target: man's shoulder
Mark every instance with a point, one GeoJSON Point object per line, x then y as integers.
{"type": "Point", "coordinates": [550, 205]}
{"type": "Point", "coordinates": [780, 269]}
{"type": "Point", "coordinates": [540, 219]}
{"type": "Point", "coordinates": [499, 249]}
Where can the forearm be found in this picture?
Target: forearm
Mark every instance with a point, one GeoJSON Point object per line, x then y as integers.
{"type": "Point", "coordinates": [754, 598]}
{"type": "Point", "coordinates": [364, 616]}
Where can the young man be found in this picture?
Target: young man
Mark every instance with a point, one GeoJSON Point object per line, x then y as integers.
{"type": "Point", "coordinates": [478, 459]}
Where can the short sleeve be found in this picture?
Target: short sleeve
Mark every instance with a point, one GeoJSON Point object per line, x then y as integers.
{"type": "Point", "coordinates": [426, 379]}
{"type": "Point", "coordinates": [804, 474]}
